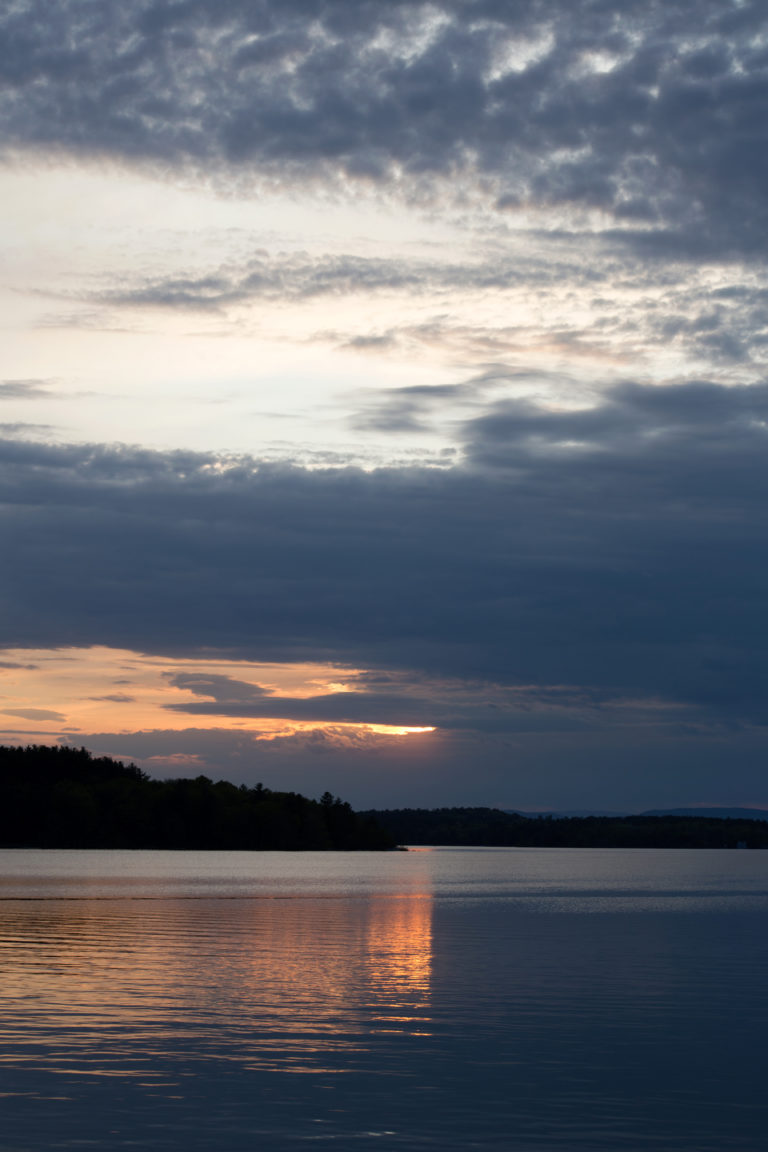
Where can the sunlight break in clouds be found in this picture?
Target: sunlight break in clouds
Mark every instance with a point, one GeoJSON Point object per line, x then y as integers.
{"type": "Point", "coordinates": [101, 689]}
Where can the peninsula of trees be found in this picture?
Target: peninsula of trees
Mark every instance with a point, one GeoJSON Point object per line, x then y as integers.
{"type": "Point", "coordinates": [490, 827]}
{"type": "Point", "coordinates": [60, 797]}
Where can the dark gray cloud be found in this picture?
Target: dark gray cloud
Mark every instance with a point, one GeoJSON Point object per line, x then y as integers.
{"type": "Point", "coordinates": [652, 113]}
{"type": "Point", "coordinates": [620, 549]}
{"type": "Point", "coordinates": [419, 701]}
{"type": "Point", "coordinates": [482, 710]}
{"type": "Point", "coordinates": [336, 707]}
{"type": "Point", "coordinates": [225, 690]}
{"type": "Point", "coordinates": [640, 420]}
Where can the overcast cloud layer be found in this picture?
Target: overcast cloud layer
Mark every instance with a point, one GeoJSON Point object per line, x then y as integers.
{"type": "Point", "coordinates": [653, 112]}
{"type": "Point", "coordinates": [621, 548]}
{"type": "Point", "coordinates": [515, 251]}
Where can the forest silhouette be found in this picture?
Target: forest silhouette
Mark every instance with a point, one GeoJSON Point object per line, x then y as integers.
{"type": "Point", "coordinates": [63, 797]}
{"type": "Point", "coordinates": [491, 827]}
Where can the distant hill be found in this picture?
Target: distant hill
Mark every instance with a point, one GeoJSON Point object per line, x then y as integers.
{"type": "Point", "coordinates": [712, 813]}
{"type": "Point", "coordinates": [562, 813]}
{"type": "Point", "coordinates": [59, 797]}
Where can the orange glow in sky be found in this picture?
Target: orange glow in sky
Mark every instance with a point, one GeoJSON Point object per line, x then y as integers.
{"type": "Point", "coordinates": [49, 694]}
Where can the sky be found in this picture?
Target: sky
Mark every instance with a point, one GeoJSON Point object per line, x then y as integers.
{"type": "Point", "coordinates": [383, 395]}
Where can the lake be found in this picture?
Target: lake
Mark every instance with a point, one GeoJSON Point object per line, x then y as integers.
{"type": "Point", "coordinates": [519, 999]}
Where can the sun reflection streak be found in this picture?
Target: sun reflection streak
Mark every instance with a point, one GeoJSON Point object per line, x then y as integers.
{"type": "Point", "coordinates": [116, 987]}
{"type": "Point", "coordinates": [399, 942]}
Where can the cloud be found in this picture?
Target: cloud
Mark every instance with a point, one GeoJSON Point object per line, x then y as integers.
{"type": "Point", "coordinates": [24, 429]}
{"type": "Point", "coordinates": [544, 711]}
{"type": "Point", "coordinates": [697, 416]}
{"type": "Point", "coordinates": [617, 548]}
{"type": "Point", "coordinates": [628, 310]}
{"type": "Point", "coordinates": [337, 707]}
{"type": "Point", "coordinates": [300, 276]}
{"type": "Point", "coordinates": [408, 409]}
{"type": "Point", "coordinates": [24, 390]}
{"type": "Point", "coordinates": [225, 690]}
{"type": "Point", "coordinates": [652, 116]}
{"type": "Point", "coordinates": [35, 714]}
{"type": "Point", "coordinates": [402, 699]}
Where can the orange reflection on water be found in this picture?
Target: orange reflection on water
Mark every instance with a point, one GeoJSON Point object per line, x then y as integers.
{"type": "Point", "coordinates": [120, 987]}
{"type": "Point", "coordinates": [349, 965]}
{"type": "Point", "coordinates": [399, 943]}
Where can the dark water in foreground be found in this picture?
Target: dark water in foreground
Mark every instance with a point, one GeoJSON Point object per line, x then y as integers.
{"type": "Point", "coordinates": [514, 999]}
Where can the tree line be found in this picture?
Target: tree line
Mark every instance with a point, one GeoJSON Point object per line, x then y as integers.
{"type": "Point", "coordinates": [490, 827]}
{"type": "Point", "coordinates": [63, 797]}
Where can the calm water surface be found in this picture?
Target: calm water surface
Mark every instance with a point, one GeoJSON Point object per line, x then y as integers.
{"type": "Point", "coordinates": [551, 1000]}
